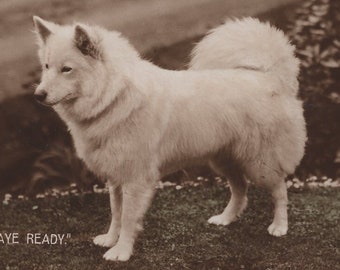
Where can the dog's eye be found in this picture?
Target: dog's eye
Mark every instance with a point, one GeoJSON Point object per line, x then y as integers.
{"type": "Point", "coordinates": [46, 66]}
{"type": "Point", "coordinates": [66, 69]}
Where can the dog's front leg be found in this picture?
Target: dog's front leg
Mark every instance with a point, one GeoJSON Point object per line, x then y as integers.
{"type": "Point", "coordinates": [136, 200]}
{"type": "Point", "coordinates": [110, 238]}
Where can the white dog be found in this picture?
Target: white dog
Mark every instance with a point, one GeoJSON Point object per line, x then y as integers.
{"type": "Point", "coordinates": [133, 122]}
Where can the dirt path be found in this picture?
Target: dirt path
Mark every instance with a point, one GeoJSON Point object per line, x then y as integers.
{"type": "Point", "coordinates": [147, 24]}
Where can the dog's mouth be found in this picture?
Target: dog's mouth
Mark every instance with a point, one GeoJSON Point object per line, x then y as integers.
{"type": "Point", "coordinates": [70, 98]}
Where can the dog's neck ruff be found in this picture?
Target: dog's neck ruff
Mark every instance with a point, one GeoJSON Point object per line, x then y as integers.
{"type": "Point", "coordinates": [116, 110]}
{"type": "Point", "coordinates": [114, 104]}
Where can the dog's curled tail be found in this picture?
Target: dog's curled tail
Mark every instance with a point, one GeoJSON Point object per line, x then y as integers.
{"type": "Point", "coordinates": [249, 44]}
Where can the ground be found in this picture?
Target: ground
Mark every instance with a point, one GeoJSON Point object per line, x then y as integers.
{"type": "Point", "coordinates": [176, 233]}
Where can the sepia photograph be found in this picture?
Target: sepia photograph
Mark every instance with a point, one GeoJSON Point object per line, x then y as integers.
{"type": "Point", "coordinates": [169, 134]}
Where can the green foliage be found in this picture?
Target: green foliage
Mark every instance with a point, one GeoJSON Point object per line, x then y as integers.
{"type": "Point", "coordinates": [58, 167]}
{"type": "Point", "coordinates": [315, 32]}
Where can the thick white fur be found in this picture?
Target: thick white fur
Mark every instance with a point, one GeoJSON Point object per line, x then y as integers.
{"type": "Point", "coordinates": [249, 44]}
{"type": "Point", "coordinates": [133, 122]}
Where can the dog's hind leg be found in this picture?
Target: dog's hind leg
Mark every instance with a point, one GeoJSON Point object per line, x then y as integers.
{"type": "Point", "coordinates": [110, 238]}
{"type": "Point", "coordinates": [238, 187]}
{"type": "Point", "coordinates": [279, 225]}
{"type": "Point", "coordinates": [269, 175]}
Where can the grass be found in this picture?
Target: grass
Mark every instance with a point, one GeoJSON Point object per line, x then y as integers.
{"type": "Point", "coordinates": [176, 234]}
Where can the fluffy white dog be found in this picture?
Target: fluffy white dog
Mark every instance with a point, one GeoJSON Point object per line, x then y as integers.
{"type": "Point", "coordinates": [133, 122]}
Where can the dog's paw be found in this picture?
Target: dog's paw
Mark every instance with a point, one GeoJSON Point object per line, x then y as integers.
{"type": "Point", "coordinates": [278, 229]}
{"type": "Point", "coordinates": [105, 240]}
{"type": "Point", "coordinates": [118, 253]}
{"type": "Point", "coordinates": [221, 220]}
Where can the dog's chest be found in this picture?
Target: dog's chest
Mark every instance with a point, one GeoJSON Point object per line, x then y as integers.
{"type": "Point", "coordinates": [92, 149]}
{"type": "Point", "coordinates": [107, 153]}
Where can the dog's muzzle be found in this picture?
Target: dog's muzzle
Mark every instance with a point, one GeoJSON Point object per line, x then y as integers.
{"type": "Point", "coordinates": [40, 96]}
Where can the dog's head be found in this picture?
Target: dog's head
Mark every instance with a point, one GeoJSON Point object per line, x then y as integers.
{"type": "Point", "coordinates": [75, 68]}
{"type": "Point", "coordinates": [69, 57]}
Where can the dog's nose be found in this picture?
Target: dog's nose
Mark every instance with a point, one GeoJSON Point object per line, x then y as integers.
{"type": "Point", "coordinates": [41, 96]}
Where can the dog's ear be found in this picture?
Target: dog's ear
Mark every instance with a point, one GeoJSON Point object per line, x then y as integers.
{"type": "Point", "coordinates": [42, 28]}
{"type": "Point", "coordinates": [85, 43]}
